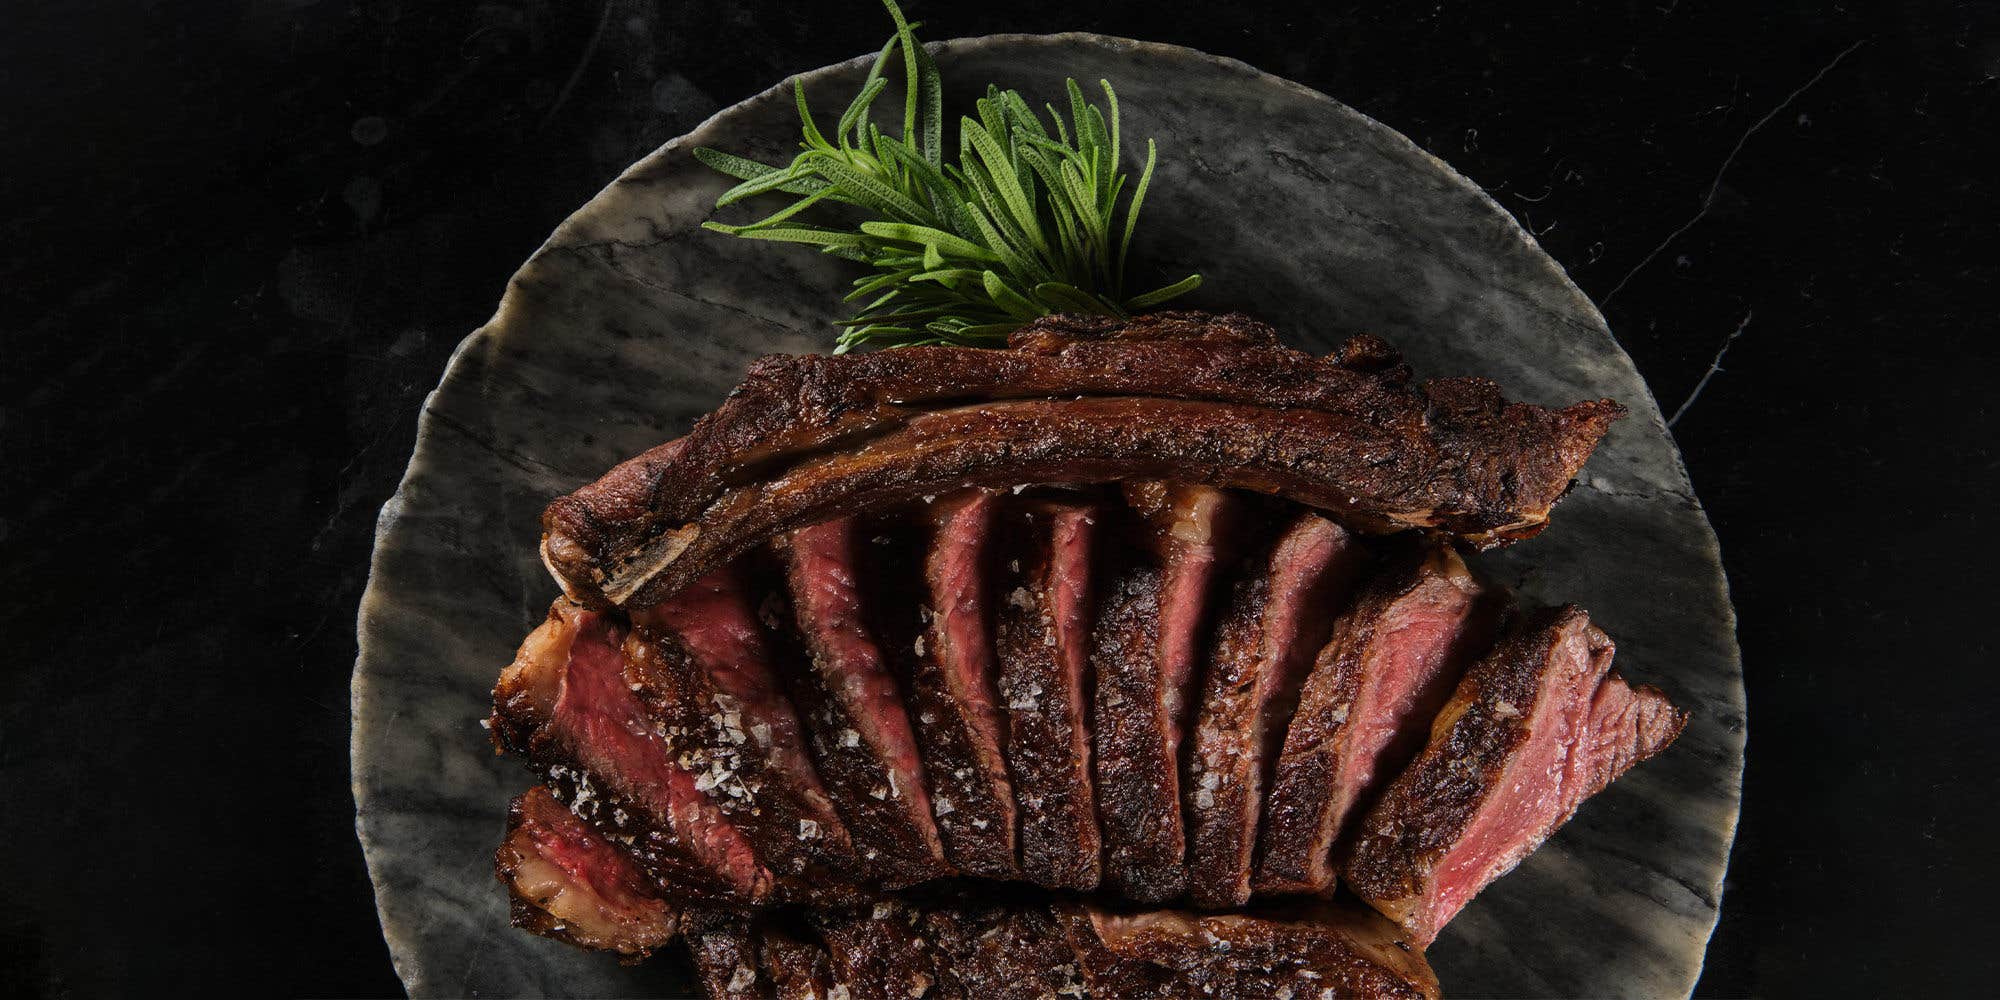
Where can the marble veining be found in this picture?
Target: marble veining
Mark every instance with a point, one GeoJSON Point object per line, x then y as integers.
{"type": "Point", "coordinates": [631, 322]}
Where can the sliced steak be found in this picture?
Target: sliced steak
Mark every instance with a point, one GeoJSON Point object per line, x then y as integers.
{"type": "Point", "coordinates": [1042, 642]}
{"type": "Point", "coordinates": [797, 968]}
{"type": "Point", "coordinates": [859, 731]}
{"type": "Point", "coordinates": [1320, 953]}
{"type": "Point", "coordinates": [1190, 525]}
{"type": "Point", "coordinates": [1001, 951]}
{"type": "Point", "coordinates": [1279, 615]}
{"type": "Point", "coordinates": [1367, 706]}
{"type": "Point", "coordinates": [878, 951]}
{"type": "Point", "coordinates": [724, 949]}
{"type": "Point", "coordinates": [569, 883]}
{"type": "Point", "coordinates": [702, 664]}
{"type": "Point", "coordinates": [1534, 728]}
{"type": "Point", "coordinates": [611, 762]}
{"type": "Point", "coordinates": [937, 608]}
{"type": "Point", "coordinates": [1145, 643]}
{"type": "Point", "coordinates": [810, 437]}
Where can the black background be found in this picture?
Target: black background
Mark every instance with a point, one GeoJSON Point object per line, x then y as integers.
{"type": "Point", "coordinates": [238, 242]}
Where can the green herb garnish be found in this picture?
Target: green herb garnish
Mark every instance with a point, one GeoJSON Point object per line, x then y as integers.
{"type": "Point", "coordinates": [1025, 224]}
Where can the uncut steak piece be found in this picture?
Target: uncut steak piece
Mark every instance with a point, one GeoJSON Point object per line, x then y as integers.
{"type": "Point", "coordinates": [1042, 642]}
{"type": "Point", "coordinates": [565, 881]}
{"type": "Point", "coordinates": [1367, 707]}
{"type": "Point", "coordinates": [702, 664]}
{"type": "Point", "coordinates": [1145, 644]}
{"type": "Point", "coordinates": [1533, 729]}
{"type": "Point", "coordinates": [566, 705]}
{"type": "Point", "coordinates": [1321, 952]}
{"type": "Point", "coordinates": [807, 438]}
{"type": "Point", "coordinates": [936, 605]}
{"type": "Point", "coordinates": [858, 728]}
{"type": "Point", "coordinates": [1278, 617]}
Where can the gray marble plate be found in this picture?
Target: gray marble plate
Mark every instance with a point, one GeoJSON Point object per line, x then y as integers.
{"type": "Point", "coordinates": [631, 322]}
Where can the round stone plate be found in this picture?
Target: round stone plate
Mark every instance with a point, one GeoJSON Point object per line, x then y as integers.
{"type": "Point", "coordinates": [632, 321]}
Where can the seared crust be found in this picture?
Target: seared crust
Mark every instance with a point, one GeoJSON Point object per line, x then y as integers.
{"type": "Point", "coordinates": [784, 812]}
{"type": "Point", "coordinates": [1546, 681]}
{"type": "Point", "coordinates": [1452, 456]}
{"type": "Point", "coordinates": [1319, 778]}
{"type": "Point", "coordinates": [566, 882]}
{"type": "Point", "coordinates": [1277, 619]}
{"type": "Point", "coordinates": [937, 612]}
{"type": "Point", "coordinates": [566, 705]}
{"type": "Point", "coordinates": [854, 712]}
{"type": "Point", "coordinates": [1370, 477]}
{"type": "Point", "coordinates": [1321, 951]}
{"type": "Point", "coordinates": [1138, 773]}
{"type": "Point", "coordinates": [1041, 643]}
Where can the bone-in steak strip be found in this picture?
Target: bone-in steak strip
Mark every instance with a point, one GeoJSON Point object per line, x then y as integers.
{"type": "Point", "coordinates": [1278, 618]}
{"type": "Point", "coordinates": [1366, 708]}
{"type": "Point", "coordinates": [1533, 729]}
{"type": "Point", "coordinates": [1498, 466]}
{"type": "Point", "coordinates": [1474, 466]}
{"type": "Point", "coordinates": [788, 405]}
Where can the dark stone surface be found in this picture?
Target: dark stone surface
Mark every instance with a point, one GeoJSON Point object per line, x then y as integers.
{"type": "Point", "coordinates": [240, 243]}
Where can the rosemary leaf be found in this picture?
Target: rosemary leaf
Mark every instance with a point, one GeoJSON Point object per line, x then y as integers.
{"type": "Point", "coordinates": [1025, 223]}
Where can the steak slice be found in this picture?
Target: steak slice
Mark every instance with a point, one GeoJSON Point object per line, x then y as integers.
{"type": "Point", "coordinates": [1144, 646]}
{"type": "Point", "coordinates": [806, 438]}
{"type": "Point", "coordinates": [878, 951]}
{"type": "Point", "coordinates": [1278, 617]}
{"type": "Point", "coordinates": [796, 968]}
{"type": "Point", "coordinates": [1365, 710]}
{"type": "Point", "coordinates": [566, 704]}
{"type": "Point", "coordinates": [938, 610]}
{"type": "Point", "coordinates": [1326, 951]}
{"type": "Point", "coordinates": [701, 662]}
{"type": "Point", "coordinates": [855, 717]}
{"type": "Point", "coordinates": [1042, 642]}
{"type": "Point", "coordinates": [1001, 951]}
{"type": "Point", "coordinates": [568, 883]}
{"type": "Point", "coordinates": [724, 948]}
{"type": "Point", "coordinates": [1534, 728]}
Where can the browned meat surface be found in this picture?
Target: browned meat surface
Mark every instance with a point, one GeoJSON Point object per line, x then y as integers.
{"type": "Point", "coordinates": [1042, 642]}
{"type": "Point", "coordinates": [1367, 706]}
{"type": "Point", "coordinates": [1146, 642]}
{"type": "Point", "coordinates": [797, 969]}
{"type": "Point", "coordinates": [1318, 953]}
{"type": "Point", "coordinates": [724, 949]}
{"type": "Point", "coordinates": [1533, 729]}
{"type": "Point", "coordinates": [955, 947]}
{"type": "Point", "coordinates": [703, 667]}
{"type": "Point", "coordinates": [935, 585]}
{"type": "Point", "coordinates": [565, 702]}
{"type": "Point", "coordinates": [1278, 617]}
{"type": "Point", "coordinates": [879, 951]}
{"type": "Point", "coordinates": [854, 711]}
{"type": "Point", "coordinates": [1000, 951]}
{"type": "Point", "coordinates": [569, 883]}
{"type": "Point", "coordinates": [808, 437]}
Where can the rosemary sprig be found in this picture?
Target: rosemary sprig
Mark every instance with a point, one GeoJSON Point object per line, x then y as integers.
{"type": "Point", "coordinates": [1026, 223]}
